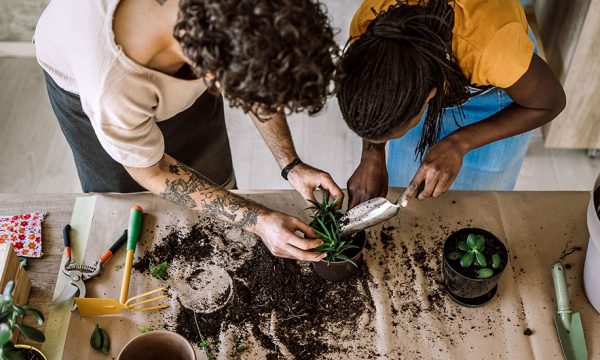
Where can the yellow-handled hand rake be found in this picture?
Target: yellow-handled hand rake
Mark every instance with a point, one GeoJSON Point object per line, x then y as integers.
{"type": "Point", "coordinates": [99, 306]}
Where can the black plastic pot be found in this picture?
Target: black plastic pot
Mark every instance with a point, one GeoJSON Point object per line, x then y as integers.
{"type": "Point", "coordinates": [466, 290]}
{"type": "Point", "coordinates": [341, 270]}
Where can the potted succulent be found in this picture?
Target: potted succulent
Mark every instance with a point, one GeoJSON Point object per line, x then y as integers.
{"type": "Point", "coordinates": [344, 255]}
{"type": "Point", "coordinates": [474, 260]}
{"type": "Point", "coordinates": [10, 314]}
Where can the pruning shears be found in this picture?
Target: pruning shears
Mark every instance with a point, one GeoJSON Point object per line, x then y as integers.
{"type": "Point", "coordinates": [82, 272]}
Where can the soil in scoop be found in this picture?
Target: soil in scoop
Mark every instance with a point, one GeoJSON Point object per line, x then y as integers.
{"type": "Point", "coordinates": [491, 247]}
{"type": "Point", "coordinates": [309, 312]}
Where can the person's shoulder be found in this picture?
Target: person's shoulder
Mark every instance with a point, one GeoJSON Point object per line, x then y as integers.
{"type": "Point", "coordinates": [478, 21]}
{"type": "Point", "coordinates": [139, 29]}
{"type": "Point", "coordinates": [366, 13]}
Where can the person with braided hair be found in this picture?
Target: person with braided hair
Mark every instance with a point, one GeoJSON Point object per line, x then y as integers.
{"type": "Point", "coordinates": [138, 86]}
{"type": "Point", "coordinates": [454, 88]}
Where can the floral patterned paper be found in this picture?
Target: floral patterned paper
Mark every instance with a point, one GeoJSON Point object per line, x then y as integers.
{"type": "Point", "coordinates": [24, 232]}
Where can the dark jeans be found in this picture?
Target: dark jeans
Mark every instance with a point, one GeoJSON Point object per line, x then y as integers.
{"type": "Point", "coordinates": [196, 137]}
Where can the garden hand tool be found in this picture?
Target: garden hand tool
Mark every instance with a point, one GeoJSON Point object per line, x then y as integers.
{"type": "Point", "coordinates": [99, 306]}
{"type": "Point", "coordinates": [372, 212]}
{"type": "Point", "coordinates": [568, 324]}
{"type": "Point", "coordinates": [82, 272]}
{"type": "Point", "coordinates": [369, 213]}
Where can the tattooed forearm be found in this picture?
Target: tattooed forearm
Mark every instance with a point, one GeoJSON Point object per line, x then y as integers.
{"type": "Point", "coordinates": [179, 190]}
{"type": "Point", "coordinates": [192, 190]}
{"type": "Point", "coordinates": [221, 206]}
{"type": "Point", "coordinates": [161, 2]}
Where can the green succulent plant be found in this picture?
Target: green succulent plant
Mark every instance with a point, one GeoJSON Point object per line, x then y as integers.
{"type": "Point", "coordinates": [325, 223]}
{"type": "Point", "coordinates": [10, 313]}
{"type": "Point", "coordinates": [471, 254]}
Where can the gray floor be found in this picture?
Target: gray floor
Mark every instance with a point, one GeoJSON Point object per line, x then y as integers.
{"type": "Point", "coordinates": [35, 156]}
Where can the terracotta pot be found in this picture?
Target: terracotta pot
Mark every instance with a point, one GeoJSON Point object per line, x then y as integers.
{"type": "Point", "coordinates": [465, 290]}
{"type": "Point", "coordinates": [159, 344]}
{"type": "Point", "coordinates": [34, 349]}
{"type": "Point", "coordinates": [340, 270]}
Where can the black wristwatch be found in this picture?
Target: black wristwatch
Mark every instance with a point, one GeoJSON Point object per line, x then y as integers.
{"type": "Point", "coordinates": [286, 170]}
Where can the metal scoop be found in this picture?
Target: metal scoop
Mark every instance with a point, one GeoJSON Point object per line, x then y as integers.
{"type": "Point", "coordinates": [369, 213]}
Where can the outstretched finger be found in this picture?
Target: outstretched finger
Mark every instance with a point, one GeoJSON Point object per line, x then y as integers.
{"type": "Point", "coordinates": [334, 190]}
{"type": "Point", "coordinates": [431, 181]}
{"type": "Point", "coordinates": [442, 186]}
{"type": "Point", "coordinates": [304, 254]}
{"type": "Point", "coordinates": [412, 188]}
{"type": "Point", "coordinates": [308, 232]}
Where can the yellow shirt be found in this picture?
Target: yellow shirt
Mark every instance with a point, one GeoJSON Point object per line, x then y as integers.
{"type": "Point", "coordinates": [489, 39]}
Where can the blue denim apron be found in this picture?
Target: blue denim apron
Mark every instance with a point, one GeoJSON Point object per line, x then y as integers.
{"type": "Point", "coordinates": [491, 167]}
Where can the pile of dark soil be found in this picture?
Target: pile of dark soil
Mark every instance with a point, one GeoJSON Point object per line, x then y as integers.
{"type": "Point", "coordinates": [284, 303]}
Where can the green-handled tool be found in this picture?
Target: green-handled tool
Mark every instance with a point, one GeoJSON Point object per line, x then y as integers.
{"type": "Point", "coordinates": [568, 324]}
{"type": "Point", "coordinates": [99, 306]}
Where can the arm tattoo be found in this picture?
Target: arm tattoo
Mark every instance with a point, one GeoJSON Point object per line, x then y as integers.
{"type": "Point", "coordinates": [179, 190]}
{"type": "Point", "coordinates": [161, 2]}
{"type": "Point", "coordinates": [189, 182]}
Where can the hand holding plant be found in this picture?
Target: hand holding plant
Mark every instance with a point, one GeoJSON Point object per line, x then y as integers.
{"type": "Point", "coordinates": [325, 223]}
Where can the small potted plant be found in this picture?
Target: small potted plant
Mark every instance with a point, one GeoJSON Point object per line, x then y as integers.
{"type": "Point", "coordinates": [474, 260]}
{"type": "Point", "coordinates": [344, 255]}
{"type": "Point", "coordinates": [10, 314]}
{"type": "Point", "coordinates": [158, 345]}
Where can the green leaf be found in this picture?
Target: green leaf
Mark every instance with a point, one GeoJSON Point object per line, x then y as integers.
{"type": "Point", "coordinates": [159, 271]}
{"type": "Point", "coordinates": [471, 241]}
{"type": "Point", "coordinates": [31, 332]}
{"type": "Point", "coordinates": [347, 259]}
{"type": "Point", "coordinates": [36, 313]}
{"type": "Point", "coordinates": [4, 315]}
{"type": "Point", "coordinates": [454, 256]}
{"type": "Point", "coordinates": [466, 260]}
{"type": "Point", "coordinates": [96, 339]}
{"type": "Point", "coordinates": [143, 329]}
{"type": "Point", "coordinates": [480, 259]}
{"type": "Point", "coordinates": [18, 310]}
{"type": "Point", "coordinates": [462, 245]}
{"type": "Point", "coordinates": [485, 273]}
{"type": "Point", "coordinates": [105, 341]}
{"type": "Point", "coordinates": [5, 334]}
{"type": "Point", "coordinates": [479, 242]}
{"type": "Point", "coordinates": [496, 261]}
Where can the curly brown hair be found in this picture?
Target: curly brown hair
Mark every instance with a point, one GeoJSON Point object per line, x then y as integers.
{"type": "Point", "coordinates": [278, 55]}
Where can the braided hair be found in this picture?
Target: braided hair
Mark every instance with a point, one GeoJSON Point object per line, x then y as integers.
{"type": "Point", "coordinates": [387, 73]}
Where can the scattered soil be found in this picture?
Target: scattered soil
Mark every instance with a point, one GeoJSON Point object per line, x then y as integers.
{"type": "Point", "coordinates": [492, 246]}
{"type": "Point", "coordinates": [569, 251]}
{"type": "Point", "coordinates": [528, 332]}
{"type": "Point", "coordinates": [281, 303]}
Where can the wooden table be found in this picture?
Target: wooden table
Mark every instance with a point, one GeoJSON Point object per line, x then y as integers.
{"type": "Point", "coordinates": [43, 272]}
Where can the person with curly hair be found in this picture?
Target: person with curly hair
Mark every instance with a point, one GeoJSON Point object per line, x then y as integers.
{"type": "Point", "coordinates": [454, 87]}
{"type": "Point", "coordinates": [138, 86]}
